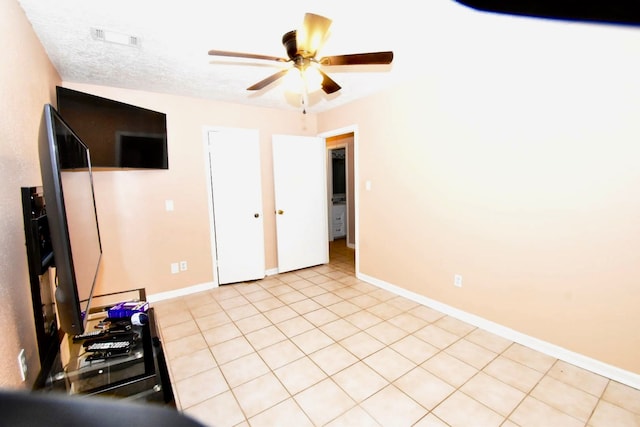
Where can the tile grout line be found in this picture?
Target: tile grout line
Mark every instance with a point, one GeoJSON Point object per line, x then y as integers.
{"type": "Point", "coordinates": [344, 315]}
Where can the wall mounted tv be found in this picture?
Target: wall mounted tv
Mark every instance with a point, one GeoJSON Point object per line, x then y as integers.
{"type": "Point", "coordinates": [67, 184]}
{"type": "Point", "coordinates": [119, 135]}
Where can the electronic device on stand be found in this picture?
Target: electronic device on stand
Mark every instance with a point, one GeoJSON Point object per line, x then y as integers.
{"type": "Point", "coordinates": [40, 260]}
{"type": "Point", "coordinates": [123, 358]}
{"type": "Point", "coordinates": [114, 356]}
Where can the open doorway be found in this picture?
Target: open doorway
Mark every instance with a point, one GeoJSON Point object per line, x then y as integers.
{"type": "Point", "coordinates": [347, 138]}
{"type": "Point", "coordinates": [341, 251]}
{"type": "Point", "coordinates": [341, 194]}
{"type": "Point", "coordinates": [337, 175]}
{"type": "Point", "coordinates": [337, 189]}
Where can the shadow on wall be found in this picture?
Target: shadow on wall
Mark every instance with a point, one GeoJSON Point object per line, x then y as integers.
{"type": "Point", "coordinates": [621, 12]}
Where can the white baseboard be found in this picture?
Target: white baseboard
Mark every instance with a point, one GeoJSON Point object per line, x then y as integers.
{"type": "Point", "coordinates": [271, 272]}
{"type": "Point", "coordinates": [193, 289]}
{"type": "Point", "coordinates": [181, 292]}
{"type": "Point", "coordinates": [623, 376]}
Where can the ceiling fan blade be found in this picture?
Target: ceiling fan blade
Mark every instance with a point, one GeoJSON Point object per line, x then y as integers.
{"type": "Point", "coordinates": [328, 85]}
{"type": "Point", "coordinates": [272, 78]}
{"type": "Point", "coordinates": [245, 55]}
{"type": "Point", "coordinates": [358, 59]}
{"type": "Point", "coordinates": [313, 34]}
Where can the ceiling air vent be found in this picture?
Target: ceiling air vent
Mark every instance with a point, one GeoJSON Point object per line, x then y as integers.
{"type": "Point", "coordinates": [97, 33]}
{"type": "Point", "coordinates": [115, 37]}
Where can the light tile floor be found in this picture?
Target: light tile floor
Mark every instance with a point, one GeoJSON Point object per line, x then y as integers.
{"type": "Point", "coordinates": [319, 347]}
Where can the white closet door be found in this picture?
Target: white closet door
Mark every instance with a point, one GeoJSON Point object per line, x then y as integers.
{"type": "Point", "coordinates": [234, 159]}
{"type": "Point", "coordinates": [300, 181]}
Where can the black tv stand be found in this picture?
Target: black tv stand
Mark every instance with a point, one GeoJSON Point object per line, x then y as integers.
{"type": "Point", "coordinates": [139, 375]}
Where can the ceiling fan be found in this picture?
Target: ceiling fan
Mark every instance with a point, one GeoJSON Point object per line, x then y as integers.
{"type": "Point", "coordinates": [302, 46]}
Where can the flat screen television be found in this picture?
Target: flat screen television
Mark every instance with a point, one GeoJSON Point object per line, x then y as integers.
{"type": "Point", "coordinates": [68, 189]}
{"type": "Point", "coordinates": [119, 135]}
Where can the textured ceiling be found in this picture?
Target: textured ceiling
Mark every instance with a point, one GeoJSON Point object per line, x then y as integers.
{"type": "Point", "coordinates": [175, 37]}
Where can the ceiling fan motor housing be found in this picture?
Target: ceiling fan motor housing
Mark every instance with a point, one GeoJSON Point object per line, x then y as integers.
{"type": "Point", "coordinates": [290, 43]}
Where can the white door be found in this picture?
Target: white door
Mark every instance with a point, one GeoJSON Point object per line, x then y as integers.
{"type": "Point", "coordinates": [300, 185]}
{"type": "Point", "coordinates": [234, 160]}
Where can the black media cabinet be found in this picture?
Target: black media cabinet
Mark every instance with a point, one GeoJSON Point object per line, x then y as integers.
{"type": "Point", "coordinates": [141, 375]}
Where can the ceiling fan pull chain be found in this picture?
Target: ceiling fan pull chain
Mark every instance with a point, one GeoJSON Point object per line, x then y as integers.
{"type": "Point", "coordinates": [305, 100]}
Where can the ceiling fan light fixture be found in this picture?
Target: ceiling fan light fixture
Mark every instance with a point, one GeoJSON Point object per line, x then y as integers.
{"type": "Point", "coordinates": [300, 81]}
{"type": "Point", "coordinates": [293, 81]}
{"type": "Point", "coordinates": [312, 78]}
{"type": "Point", "coordinates": [309, 43]}
{"type": "Point", "coordinates": [312, 35]}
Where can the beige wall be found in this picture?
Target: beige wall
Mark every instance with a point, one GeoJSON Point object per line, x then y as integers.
{"type": "Point", "coordinates": [140, 238]}
{"type": "Point", "coordinates": [513, 163]}
{"type": "Point", "coordinates": [26, 81]}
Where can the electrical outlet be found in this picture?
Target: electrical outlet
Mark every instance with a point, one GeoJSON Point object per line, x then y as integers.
{"type": "Point", "coordinates": [183, 265]}
{"type": "Point", "coordinates": [22, 362]}
{"type": "Point", "coordinates": [175, 268]}
{"type": "Point", "coordinates": [457, 280]}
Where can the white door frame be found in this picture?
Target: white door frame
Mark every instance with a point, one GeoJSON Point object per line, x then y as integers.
{"type": "Point", "coordinates": [356, 179]}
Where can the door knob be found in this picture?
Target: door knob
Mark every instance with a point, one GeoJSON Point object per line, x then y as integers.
{"type": "Point", "coordinates": [256, 215]}
{"type": "Point", "coordinates": [280, 211]}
